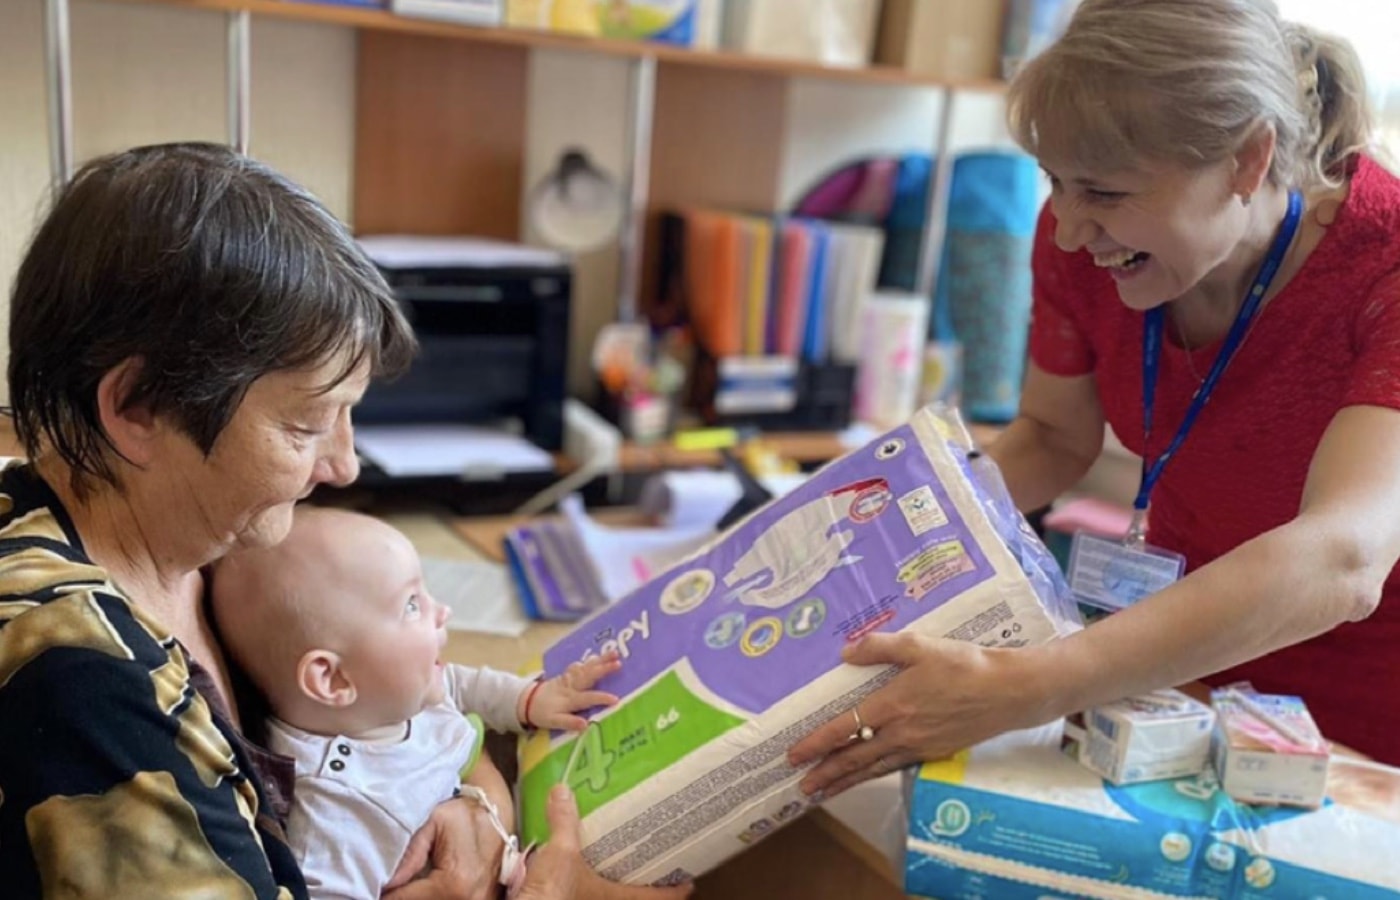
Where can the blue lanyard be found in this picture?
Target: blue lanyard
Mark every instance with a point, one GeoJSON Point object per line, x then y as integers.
{"type": "Point", "coordinates": [1152, 352]}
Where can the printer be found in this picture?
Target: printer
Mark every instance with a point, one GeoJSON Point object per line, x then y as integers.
{"type": "Point", "coordinates": [492, 321]}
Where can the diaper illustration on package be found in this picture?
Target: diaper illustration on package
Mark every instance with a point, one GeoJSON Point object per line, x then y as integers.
{"type": "Point", "coordinates": [734, 654]}
{"type": "Point", "coordinates": [793, 554]}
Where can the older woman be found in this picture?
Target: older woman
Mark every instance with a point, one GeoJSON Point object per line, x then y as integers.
{"type": "Point", "coordinates": [189, 332]}
{"type": "Point", "coordinates": [1215, 230]}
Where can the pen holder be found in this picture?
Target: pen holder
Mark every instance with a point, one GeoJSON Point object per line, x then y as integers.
{"type": "Point", "coordinates": [643, 417]}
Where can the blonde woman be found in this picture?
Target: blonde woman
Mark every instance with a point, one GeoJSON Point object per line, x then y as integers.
{"type": "Point", "coordinates": [1200, 153]}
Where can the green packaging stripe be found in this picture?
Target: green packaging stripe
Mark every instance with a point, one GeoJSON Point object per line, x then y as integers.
{"type": "Point", "coordinates": [649, 732]}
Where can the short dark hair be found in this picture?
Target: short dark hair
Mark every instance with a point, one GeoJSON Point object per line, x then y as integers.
{"type": "Point", "coordinates": [208, 266]}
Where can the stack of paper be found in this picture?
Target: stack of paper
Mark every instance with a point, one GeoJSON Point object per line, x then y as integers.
{"type": "Point", "coordinates": [460, 450]}
{"type": "Point", "coordinates": [568, 567]}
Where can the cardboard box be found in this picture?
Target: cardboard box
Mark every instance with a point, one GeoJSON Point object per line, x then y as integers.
{"type": "Point", "coordinates": [953, 39]}
{"type": "Point", "coordinates": [1267, 749]}
{"type": "Point", "coordinates": [829, 32]}
{"type": "Point", "coordinates": [734, 654]}
{"type": "Point", "coordinates": [1018, 821]}
{"type": "Point", "coordinates": [1161, 735]}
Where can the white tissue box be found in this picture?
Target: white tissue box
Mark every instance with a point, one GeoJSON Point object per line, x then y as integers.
{"type": "Point", "coordinates": [1160, 735]}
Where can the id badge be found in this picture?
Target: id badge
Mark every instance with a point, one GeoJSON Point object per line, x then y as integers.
{"type": "Point", "coordinates": [1107, 574]}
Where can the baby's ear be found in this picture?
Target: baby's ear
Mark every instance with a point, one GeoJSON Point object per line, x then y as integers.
{"type": "Point", "coordinates": [321, 677]}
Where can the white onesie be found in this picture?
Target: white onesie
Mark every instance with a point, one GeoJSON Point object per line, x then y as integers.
{"type": "Point", "coordinates": [357, 803]}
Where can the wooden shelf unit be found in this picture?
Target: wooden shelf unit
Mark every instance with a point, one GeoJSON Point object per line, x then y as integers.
{"type": "Point", "coordinates": [441, 122]}
{"type": "Point", "coordinates": [368, 19]}
{"type": "Point", "coordinates": [441, 130]}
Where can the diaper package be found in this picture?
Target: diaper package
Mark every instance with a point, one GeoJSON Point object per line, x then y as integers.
{"type": "Point", "coordinates": [733, 655]}
{"type": "Point", "coordinates": [1009, 821]}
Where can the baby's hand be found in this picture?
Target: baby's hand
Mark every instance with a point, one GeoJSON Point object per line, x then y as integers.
{"type": "Point", "coordinates": [553, 703]}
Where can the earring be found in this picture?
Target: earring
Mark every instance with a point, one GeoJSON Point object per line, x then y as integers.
{"type": "Point", "coordinates": [1245, 199]}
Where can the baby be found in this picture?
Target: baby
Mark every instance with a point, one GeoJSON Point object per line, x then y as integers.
{"type": "Point", "coordinates": [335, 627]}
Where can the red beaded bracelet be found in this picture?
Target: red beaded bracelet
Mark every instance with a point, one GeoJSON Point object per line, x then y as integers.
{"type": "Point", "coordinates": [530, 698]}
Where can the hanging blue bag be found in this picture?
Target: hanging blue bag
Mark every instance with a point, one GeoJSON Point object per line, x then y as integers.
{"type": "Point", "coordinates": [983, 296]}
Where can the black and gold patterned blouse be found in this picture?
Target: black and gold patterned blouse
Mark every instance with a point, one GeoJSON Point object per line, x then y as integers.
{"type": "Point", "coordinates": [118, 779]}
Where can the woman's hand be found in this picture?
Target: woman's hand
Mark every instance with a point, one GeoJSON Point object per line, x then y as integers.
{"type": "Point", "coordinates": [552, 871]}
{"type": "Point", "coordinates": [557, 871]}
{"type": "Point", "coordinates": [461, 852]}
{"type": "Point", "coordinates": [949, 696]}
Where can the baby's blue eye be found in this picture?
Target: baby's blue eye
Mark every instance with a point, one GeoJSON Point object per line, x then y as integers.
{"type": "Point", "coordinates": [412, 607]}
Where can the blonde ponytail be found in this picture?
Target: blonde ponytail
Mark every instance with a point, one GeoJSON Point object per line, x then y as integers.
{"type": "Point", "coordinates": [1332, 90]}
{"type": "Point", "coordinates": [1187, 81]}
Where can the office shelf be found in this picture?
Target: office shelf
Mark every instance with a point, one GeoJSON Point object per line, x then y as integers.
{"type": "Point", "coordinates": [382, 20]}
{"type": "Point", "coordinates": [441, 138]}
{"type": "Point", "coordinates": [440, 128]}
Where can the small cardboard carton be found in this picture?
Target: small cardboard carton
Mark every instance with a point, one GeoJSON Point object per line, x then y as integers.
{"type": "Point", "coordinates": [1157, 736]}
{"type": "Point", "coordinates": [1267, 749]}
{"type": "Point", "coordinates": [953, 39]}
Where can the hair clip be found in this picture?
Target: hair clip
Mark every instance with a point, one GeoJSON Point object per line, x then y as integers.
{"type": "Point", "coordinates": [1308, 78]}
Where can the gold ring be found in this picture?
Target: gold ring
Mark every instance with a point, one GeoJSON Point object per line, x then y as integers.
{"type": "Point", "coordinates": [863, 732]}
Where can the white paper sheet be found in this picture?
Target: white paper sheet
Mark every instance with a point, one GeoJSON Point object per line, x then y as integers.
{"type": "Point", "coordinates": [473, 452]}
{"type": "Point", "coordinates": [405, 251]}
{"type": "Point", "coordinates": [625, 558]}
{"type": "Point", "coordinates": [700, 498]}
{"type": "Point", "coordinates": [479, 594]}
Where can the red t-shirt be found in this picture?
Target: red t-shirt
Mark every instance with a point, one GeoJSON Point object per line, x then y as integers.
{"type": "Point", "coordinates": [1329, 339]}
